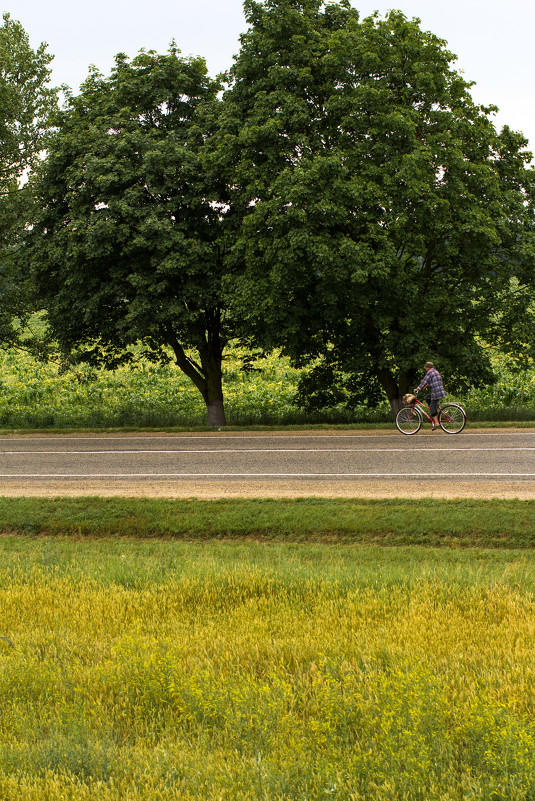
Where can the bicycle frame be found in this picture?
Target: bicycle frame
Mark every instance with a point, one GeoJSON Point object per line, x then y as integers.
{"type": "Point", "coordinates": [424, 408]}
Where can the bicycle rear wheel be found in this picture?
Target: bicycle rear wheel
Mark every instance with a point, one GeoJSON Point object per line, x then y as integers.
{"type": "Point", "coordinates": [452, 418]}
{"type": "Point", "coordinates": [409, 420]}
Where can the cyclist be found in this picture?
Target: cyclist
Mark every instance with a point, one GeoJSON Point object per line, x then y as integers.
{"type": "Point", "coordinates": [433, 380]}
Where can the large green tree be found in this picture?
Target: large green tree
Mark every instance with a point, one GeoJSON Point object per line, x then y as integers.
{"type": "Point", "coordinates": [26, 102]}
{"type": "Point", "coordinates": [127, 242]}
{"type": "Point", "coordinates": [383, 219]}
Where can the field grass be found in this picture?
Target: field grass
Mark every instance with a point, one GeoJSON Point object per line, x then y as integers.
{"type": "Point", "coordinates": [151, 669]}
{"type": "Point", "coordinates": [39, 396]}
{"type": "Point", "coordinates": [428, 521]}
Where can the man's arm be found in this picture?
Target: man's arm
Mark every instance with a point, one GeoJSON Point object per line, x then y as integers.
{"type": "Point", "coordinates": [422, 384]}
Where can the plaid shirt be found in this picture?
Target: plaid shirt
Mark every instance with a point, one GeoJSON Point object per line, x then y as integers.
{"type": "Point", "coordinates": [433, 380]}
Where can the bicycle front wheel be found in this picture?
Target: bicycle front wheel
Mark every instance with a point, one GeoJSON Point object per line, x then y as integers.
{"type": "Point", "coordinates": [452, 418]}
{"type": "Point", "coordinates": [409, 420]}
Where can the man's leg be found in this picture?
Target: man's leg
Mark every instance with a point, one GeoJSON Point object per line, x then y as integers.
{"type": "Point", "coordinates": [433, 411]}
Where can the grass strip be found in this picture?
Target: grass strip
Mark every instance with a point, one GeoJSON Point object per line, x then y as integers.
{"type": "Point", "coordinates": [463, 522]}
{"type": "Point", "coordinates": [277, 428]}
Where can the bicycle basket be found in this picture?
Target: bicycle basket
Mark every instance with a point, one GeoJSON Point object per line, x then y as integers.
{"type": "Point", "coordinates": [409, 398]}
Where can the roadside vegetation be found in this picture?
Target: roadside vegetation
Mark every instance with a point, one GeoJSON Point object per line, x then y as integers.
{"type": "Point", "coordinates": [427, 521]}
{"type": "Point", "coordinates": [262, 392]}
{"type": "Point", "coordinates": [145, 669]}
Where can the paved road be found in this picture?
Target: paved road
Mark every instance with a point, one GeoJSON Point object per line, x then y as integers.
{"type": "Point", "coordinates": [216, 464]}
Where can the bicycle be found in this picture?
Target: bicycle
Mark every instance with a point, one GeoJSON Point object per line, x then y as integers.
{"type": "Point", "coordinates": [409, 420]}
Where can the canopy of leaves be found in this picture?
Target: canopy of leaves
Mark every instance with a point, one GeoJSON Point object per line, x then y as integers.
{"type": "Point", "coordinates": [126, 241]}
{"type": "Point", "coordinates": [384, 219]}
{"type": "Point", "coordinates": [26, 102]}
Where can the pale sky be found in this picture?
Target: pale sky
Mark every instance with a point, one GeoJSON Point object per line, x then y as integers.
{"type": "Point", "coordinates": [493, 39]}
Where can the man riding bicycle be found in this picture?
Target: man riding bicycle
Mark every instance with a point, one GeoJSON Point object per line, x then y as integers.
{"type": "Point", "coordinates": [433, 380]}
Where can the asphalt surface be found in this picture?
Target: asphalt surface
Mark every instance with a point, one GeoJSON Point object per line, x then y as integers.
{"type": "Point", "coordinates": [478, 462]}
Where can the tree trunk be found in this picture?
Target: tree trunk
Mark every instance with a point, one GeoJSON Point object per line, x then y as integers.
{"type": "Point", "coordinates": [216, 413]}
{"type": "Point", "coordinates": [207, 376]}
{"type": "Point", "coordinates": [211, 354]}
{"type": "Point", "coordinates": [394, 389]}
{"type": "Point", "coordinates": [396, 404]}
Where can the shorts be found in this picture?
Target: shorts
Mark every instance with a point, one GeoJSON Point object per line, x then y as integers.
{"type": "Point", "coordinates": [432, 403]}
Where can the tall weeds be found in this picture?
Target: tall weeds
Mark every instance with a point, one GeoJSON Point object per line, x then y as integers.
{"type": "Point", "coordinates": [37, 395]}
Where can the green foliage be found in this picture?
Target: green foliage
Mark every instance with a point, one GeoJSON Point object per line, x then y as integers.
{"type": "Point", "coordinates": [40, 394]}
{"type": "Point", "coordinates": [384, 219]}
{"type": "Point", "coordinates": [126, 238]}
{"type": "Point", "coordinates": [26, 102]}
{"type": "Point", "coordinates": [37, 394]}
{"type": "Point", "coordinates": [324, 385]}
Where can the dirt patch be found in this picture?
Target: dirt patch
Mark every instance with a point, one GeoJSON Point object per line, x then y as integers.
{"type": "Point", "coordinates": [524, 490]}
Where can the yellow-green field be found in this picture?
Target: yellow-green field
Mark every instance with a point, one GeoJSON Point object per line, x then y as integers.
{"type": "Point", "coordinates": [172, 670]}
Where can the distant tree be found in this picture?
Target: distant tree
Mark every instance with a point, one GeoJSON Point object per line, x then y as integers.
{"type": "Point", "coordinates": [26, 101]}
{"type": "Point", "coordinates": [127, 242]}
{"type": "Point", "coordinates": [384, 221]}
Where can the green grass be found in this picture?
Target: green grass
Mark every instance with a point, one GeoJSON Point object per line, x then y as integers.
{"type": "Point", "coordinates": [135, 670]}
{"type": "Point", "coordinates": [484, 523]}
